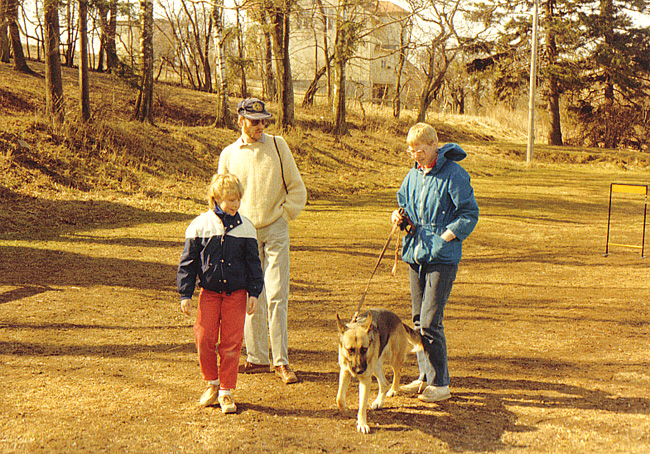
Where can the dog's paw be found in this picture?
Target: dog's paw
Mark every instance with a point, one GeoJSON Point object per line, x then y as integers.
{"type": "Point", "coordinates": [342, 405]}
{"type": "Point", "coordinates": [391, 393]}
{"type": "Point", "coordinates": [377, 405]}
{"type": "Point", "coordinates": [363, 427]}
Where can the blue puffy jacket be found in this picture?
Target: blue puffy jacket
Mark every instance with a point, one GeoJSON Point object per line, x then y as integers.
{"type": "Point", "coordinates": [440, 199]}
{"type": "Point", "coordinates": [221, 251]}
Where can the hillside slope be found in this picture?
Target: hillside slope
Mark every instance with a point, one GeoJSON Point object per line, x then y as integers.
{"type": "Point", "coordinates": [161, 167]}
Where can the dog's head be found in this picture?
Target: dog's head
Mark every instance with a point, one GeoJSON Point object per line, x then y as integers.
{"type": "Point", "coordinates": [354, 344]}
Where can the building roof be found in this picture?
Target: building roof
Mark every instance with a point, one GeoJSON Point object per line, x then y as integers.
{"type": "Point", "coordinates": [387, 7]}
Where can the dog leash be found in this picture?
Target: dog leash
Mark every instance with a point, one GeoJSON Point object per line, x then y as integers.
{"type": "Point", "coordinates": [381, 255]}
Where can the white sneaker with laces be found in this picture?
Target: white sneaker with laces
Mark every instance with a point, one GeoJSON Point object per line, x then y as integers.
{"type": "Point", "coordinates": [435, 394]}
{"type": "Point", "coordinates": [415, 387]}
{"type": "Point", "coordinates": [209, 396]}
{"type": "Point", "coordinates": [227, 404]}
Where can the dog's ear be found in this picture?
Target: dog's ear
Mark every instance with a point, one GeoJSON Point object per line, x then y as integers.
{"type": "Point", "coordinates": [368, 322]}
{"type": "Point", "coordinates": [340, 324]}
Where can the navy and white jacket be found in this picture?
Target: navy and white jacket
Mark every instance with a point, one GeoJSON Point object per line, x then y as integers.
{"type": "Point", "coordinates": [435, 201]}
{"type": "Point", "coordinates": [221, 250]}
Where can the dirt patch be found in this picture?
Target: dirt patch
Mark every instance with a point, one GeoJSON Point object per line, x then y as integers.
{"type": "Point", "coordinates": [547, 338]}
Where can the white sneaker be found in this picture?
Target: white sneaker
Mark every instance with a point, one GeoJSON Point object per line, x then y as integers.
{"type": "Point", "coordinates": [435, 394]}
{"type": "Point", "coordinates": [227, 404]}
{"type": "Point", "coordinates": [415, 387]}
{"type": "Point", "coordinates": [209, 396]}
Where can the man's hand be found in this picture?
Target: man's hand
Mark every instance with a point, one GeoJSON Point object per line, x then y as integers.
{"type": "Point", "coordinates": [396, 217]}
{"type": "Point", "coordinates": [252, 305]}
{"type": "Point", "coordinates": [186, 306]}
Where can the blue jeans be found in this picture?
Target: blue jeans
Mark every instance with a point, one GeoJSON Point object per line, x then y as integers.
{"type": "Point", "coordinates": [430, 289]}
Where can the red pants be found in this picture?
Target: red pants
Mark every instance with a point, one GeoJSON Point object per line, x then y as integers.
{"type": "Point", "coordinates": [220, 319]}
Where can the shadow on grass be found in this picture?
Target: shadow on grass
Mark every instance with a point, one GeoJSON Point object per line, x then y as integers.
{"type": "Point", "coordinates": [48, 219]}
{"type": "Point", "coordinates": [38, 349]}
{"type": "Point", "coordinates": [474, 419]}
{"type": "Point", "coordinates": [60, 268]}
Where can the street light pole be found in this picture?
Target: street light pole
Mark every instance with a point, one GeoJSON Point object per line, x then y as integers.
{"type": "Point", "coordinates": [533, 80]}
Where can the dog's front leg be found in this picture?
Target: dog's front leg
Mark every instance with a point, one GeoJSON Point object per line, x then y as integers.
{"type": "Point", "coordinates": [344, 383]}
{"type": "Point", "coordinates": [364, 392]}
{"type": "Point", "coordinates": [383, 386]}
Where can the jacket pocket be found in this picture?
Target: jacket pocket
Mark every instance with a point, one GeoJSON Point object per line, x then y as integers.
{"type": "Point", "coordinates": [428, 247]}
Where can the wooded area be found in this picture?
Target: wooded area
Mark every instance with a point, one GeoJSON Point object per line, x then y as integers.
{"type": "Point", "coordinates": [594, 72]}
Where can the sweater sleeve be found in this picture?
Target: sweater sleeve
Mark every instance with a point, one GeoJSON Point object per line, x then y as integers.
{"type": "Point", "coordinates": [296, 192]}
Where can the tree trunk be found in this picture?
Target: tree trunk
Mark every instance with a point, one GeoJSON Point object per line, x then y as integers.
{"type": "Point", "coordinates": [102, 13]}
{"type": "Point", "coordinates": [4, 37]}
{"type": "Point", "coordinates": [308, 99]}
{"type": "Point", "coordinates": [433, 82]}
{"type": "Point", "coordinates": [53, 81]}
{"type": "Point", "coordinates": [280, 23]}
{"type": "Point", "coordinates": [553, 92]}
{"type": "Point", "coordinates": [328, 61]}
{"type": "Point", "coordinates": [68, 47]}
{"type": "Point", "coordinates": [610, 136]}
{"type": "Point", "coordinates": [144, 105]}
{"type": "Point", "coordinates": [11, 11]}
{"type": "Point", "coordinates": [84, 85]}
{"type": "Point", "coordinates": [269, 85]}
{"type": "Point", "coordinates": [112, 60]}
{"type": "Point", "coordinates": [340, 124]}
{"type": "Point", "coordinates": [243, 85]}
{"type": "Point", "coordinates": [397, 97]}
{"type": "Point", "coordinates": [223, 118]}
{"type": "Point", "coordinates": [207, 69]}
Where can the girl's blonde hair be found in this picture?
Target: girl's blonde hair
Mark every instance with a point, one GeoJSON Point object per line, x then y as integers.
{"type": "Point", "coordinates": [223, 185]}
{"type": "Point", "coordinates": [422, 133]}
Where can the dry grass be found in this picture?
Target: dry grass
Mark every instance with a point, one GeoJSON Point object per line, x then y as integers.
{"type": "Point", "coordinates": [547, 338]}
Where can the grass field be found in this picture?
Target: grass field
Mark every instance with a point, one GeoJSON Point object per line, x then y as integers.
{"type": "Point", "coordinates": [548, 339]}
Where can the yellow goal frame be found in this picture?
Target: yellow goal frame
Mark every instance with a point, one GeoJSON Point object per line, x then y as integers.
{"type": "Point", "coordinates": [641, 189]}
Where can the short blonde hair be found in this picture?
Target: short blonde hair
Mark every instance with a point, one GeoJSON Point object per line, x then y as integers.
{"type": "Point", "coordinates": [422, 133]}
{"type": "Point", "coordinates": [223, 185]}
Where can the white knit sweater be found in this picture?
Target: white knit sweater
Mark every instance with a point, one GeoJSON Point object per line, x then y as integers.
{"type": "Point", "coordinates": [258, 168]}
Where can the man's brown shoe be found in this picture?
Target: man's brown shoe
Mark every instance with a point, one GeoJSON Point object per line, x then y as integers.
{"type": "Point", "coordinates": [286, 374]}
{"type": "Point", "coordinates": [252, 368]}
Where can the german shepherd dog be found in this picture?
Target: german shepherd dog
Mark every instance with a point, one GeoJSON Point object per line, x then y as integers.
{"type": "Point", "coordinates": [377, 337]}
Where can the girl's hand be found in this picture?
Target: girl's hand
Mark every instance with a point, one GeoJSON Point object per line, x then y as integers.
{"type": "Point", "coordinates": [186, 306]}
{"type": "Point", "coordinates": [252, 305]}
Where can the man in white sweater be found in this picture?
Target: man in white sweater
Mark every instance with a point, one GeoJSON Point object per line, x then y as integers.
{"type": "Point", "coordinates": [274, 194]}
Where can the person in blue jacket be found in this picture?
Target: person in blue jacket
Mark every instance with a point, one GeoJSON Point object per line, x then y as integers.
{"type": "Point", "coordinates": [438, 210]}
{"type": "Point", "coordinates": [221, 252]}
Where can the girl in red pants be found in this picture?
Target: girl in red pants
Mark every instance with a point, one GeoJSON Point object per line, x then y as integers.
{"type": "Point", "coordinates": [221, 251]}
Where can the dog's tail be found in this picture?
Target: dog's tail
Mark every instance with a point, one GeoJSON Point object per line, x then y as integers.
{"type": "Point", "coordinates": [414, 338]}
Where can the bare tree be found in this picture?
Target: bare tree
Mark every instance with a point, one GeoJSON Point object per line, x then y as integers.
{"type": "Point", "coordinates": [84, 84]}
{"type": "Point", "coordinates": [404, 44]}
{"type": "Point", "coordinates": [269, 87]}
{"type": "Point", "coordinates": [223, 118]}
{"type": "Point", "coordinates": [320, 23]}
{"type": "Point", "coordinates": [68, 45]}
{"type": "Point", "coordinates": [279, 11]}
{"type": "Point", "coordinates": [108, 27]}
{"type": "Point", "coordinates": [440, 50]}
{"type": "Point", "coordinates": [144, 105]}
{"type": "Point", "coordinates": [53, 81]}
{"type": "Point", "coordinates": [4, 37]}
{"type": "Point", "coordinates": [11, 15]}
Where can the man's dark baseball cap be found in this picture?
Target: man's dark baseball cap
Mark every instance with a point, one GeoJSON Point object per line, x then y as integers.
{"type": "Point", "coordinates": [253, 109]}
